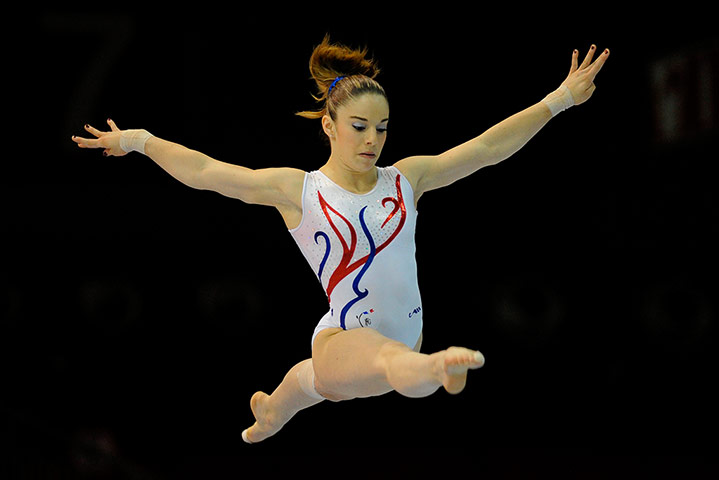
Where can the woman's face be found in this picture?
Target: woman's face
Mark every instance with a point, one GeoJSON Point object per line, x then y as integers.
{"type": "Point", "coordinates": [358, 135]}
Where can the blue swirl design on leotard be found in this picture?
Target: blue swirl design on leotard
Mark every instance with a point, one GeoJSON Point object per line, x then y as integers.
{"type": "Point", "coordinates": [363, 270]}
{"type": "Point", "coordinates": [346, 266]}
{"type": "Point", "coordinates": [327, 252]}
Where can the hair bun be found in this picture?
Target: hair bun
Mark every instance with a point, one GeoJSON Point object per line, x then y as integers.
{"type": "Point", "coordinates": [330, 61]}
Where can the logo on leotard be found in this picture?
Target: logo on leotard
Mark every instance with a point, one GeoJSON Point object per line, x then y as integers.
{"type": "Point", "coordinates": [364, 319]}
{"type": "Point", "coordinates": [415, 312]}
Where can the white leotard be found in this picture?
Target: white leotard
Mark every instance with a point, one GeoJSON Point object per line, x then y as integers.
{"type": "Point", "coordinates": [361, 248]}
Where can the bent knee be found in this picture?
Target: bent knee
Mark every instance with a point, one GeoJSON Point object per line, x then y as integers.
{"type": "Point", "coordinates": [386, 355]}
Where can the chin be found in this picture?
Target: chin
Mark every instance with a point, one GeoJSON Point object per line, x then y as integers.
{"type": "Point", "coordinates": [366, 164]}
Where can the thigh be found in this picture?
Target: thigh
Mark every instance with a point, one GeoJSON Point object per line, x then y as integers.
{"type": "Point", "coordinates": [351, 363]}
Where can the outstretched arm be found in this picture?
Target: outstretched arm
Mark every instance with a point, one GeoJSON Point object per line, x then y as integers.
{"type": "Point", "coordinates": [507, 137]}
{"type": "Point", "coordinates": [278, 187]}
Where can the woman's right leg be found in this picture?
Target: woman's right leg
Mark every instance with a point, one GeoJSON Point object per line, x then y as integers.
{"type": "Point", "coordinates": [295, 393]}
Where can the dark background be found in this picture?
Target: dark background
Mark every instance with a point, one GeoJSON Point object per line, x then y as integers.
{"type": "Point", "coordinates": [139, 316]}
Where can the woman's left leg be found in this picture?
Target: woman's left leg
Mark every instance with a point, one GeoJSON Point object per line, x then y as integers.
{"type": "Point", "coordinates": [361, 362]}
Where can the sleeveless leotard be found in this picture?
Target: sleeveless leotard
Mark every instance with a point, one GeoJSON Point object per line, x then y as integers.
{"type": "Point", "coordinates": [361, 248]}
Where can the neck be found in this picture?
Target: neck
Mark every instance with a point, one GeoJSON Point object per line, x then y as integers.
{"type": "Point", "coordinates": [349, 179]}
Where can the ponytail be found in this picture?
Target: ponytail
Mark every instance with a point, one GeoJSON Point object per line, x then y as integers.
{"type": "Point", "coordinates": [341, 73]}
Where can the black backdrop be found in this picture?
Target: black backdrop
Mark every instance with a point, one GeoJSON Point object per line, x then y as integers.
{"type": "Point", "coordinates": [139, 316]}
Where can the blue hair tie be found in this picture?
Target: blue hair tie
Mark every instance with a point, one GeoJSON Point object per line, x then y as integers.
{"type": "Point", "coordinates": [333, 85]}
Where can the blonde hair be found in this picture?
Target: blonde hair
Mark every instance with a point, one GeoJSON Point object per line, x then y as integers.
{"type": "Point", "coordinates": [329, 62]}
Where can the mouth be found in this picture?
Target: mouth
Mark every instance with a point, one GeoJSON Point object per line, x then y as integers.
{"type": "Point", "coordinates": [368, 155]}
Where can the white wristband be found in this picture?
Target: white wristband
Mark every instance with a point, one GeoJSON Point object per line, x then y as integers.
{"type": "Point", "coordinates": [134, 140]}
{"type": "Point", "coordinates": [559, 100]}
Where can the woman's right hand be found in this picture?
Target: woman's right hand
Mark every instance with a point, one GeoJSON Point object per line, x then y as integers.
{"type": "Point", "coordinates": [110, 141]}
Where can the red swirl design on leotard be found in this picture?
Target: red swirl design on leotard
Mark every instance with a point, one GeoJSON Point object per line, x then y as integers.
{"type": "Point", "coordinates": [348, 248]}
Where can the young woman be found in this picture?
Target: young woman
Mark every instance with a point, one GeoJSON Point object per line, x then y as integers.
{"type": "Point", "coordinates": [354, 222]}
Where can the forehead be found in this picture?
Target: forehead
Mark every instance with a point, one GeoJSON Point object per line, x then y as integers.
{"type": "Point", "coordinates": [371, 106]}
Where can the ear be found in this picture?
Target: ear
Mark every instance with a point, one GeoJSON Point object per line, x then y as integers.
{"type": "Point", "coordinates": [328, 125]}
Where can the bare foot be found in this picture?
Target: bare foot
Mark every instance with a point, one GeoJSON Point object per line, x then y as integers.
{"type": "Point", "coordinates": [264, 426]}
{"type": "Point", "coordinates": [456, 362]}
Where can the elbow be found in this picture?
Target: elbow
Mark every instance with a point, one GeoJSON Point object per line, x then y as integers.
{"type": "Point", "coordinates": [488, 155]}
{"type": "Point", "coordinates": [491, 153]}
{"type": "Point", "coordinates": [202, 176]}
{"type": "Point", "coordinates": [197, 179]}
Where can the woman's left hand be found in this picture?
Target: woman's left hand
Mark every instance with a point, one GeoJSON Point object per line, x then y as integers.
{"type": "Point", "coordinates": [580, 80]}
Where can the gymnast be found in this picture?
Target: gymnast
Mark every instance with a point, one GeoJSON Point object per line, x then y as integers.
{"type": "Point", "coordinates": [354, 222]}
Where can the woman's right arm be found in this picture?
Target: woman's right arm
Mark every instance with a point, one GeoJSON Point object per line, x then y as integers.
{"type": "Point", "coordinates": [277, 187]}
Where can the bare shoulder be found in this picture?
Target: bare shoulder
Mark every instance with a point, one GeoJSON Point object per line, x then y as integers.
{"type": "Point", "coordinates": [291, 175]}
{"type": "Point", "coordinates": [289, 185]}
{"type": "Point", "coordinates": [288, 180]}
{"type": "Point", "coordinates": [414, 167]}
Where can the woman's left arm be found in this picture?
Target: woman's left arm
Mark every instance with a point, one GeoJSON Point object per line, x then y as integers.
{"type": "Point", "coordinates": [427, 173]}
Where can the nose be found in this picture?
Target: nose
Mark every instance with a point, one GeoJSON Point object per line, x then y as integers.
{"type": "Point", "coordinates": [371, 137]}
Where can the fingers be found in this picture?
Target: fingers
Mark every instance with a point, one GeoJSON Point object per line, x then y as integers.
{"type": "Point", "coordinates": [109, 141]}
{"type": "Point", "coordinates": [86, 142]}
{"type": "Point", "coordinates": [89, 142]}
{"type": "Point", "coordinates": [93, 130]}
{"type": "Point", "coordinates": [94, 142]}
{"type": "Point", "coordinates": [588, 59]}
{"type": "Point", "coordinates": [599, 63]}
{"type": "Point", "coordinates": [575, 56]}
{"type": "Point", "coordinates": [588, 68]}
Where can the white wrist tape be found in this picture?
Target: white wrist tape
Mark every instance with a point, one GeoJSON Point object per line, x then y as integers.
{"type": "Point", "coordinates": [559, 100]}
{"type": "Point", "coordinates": [134, 140]}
